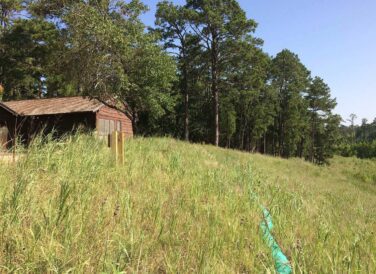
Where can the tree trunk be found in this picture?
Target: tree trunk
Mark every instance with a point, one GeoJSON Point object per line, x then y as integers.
{"type": "Point", "coordinates": [273, 140]}
{"type": "Point", "coordinates": [215, 92]}
{"type": "Point", "coordinates": [186, 94]}
{"type": "Point", "coordinates": [247, 140]}
{"type": "Point", "coordinates": [265, 142]}
{"type": "Point", "coordinates": [280, 137]}
{"type": "Point", "coordinates": [186, 104]}
{"type": "Point", "coordinates": [216, 114]}
{"type": "Point", "coordinates": [186, 116]}
{"type": "Point", "coordinates": [301, 148]}
{"type": "Point", "coordinates": [135, 122]}
{"type": "Point", "coordinates": [312, 156]}
{"type": "Point", "coordinates": [242, 139]}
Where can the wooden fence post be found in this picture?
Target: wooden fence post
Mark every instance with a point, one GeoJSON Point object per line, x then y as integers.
{"type": "Point", "coordinates": [117, 141]}
{"type": "Point", "coordinates": [121, 141]}
{"type": "Point", "coordinates": [114, 145]}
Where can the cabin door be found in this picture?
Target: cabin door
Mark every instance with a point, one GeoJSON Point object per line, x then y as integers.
{"type": "Point", "coordinates": [4, 132]}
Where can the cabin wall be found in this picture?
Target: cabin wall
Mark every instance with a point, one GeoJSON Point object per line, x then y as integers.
{"type": "Point", "coordinates": [109, 119]}
{"type": "Point", "coordinates": [59, 125]}
{"type": "Point", "coordinates": [25, 128]}
{"type": "Point", "coordinates": [7, 122]}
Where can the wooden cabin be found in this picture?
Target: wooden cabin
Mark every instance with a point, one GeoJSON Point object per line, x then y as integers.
{"type": "Point", "coordinates": [25, 118]}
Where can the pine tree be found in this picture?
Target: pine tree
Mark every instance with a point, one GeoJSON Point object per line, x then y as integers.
{"type": "Point", "coordinates": [26, 63]}
{"type": "Point", "coordinates": [320, 106]}
{"type": "Point", "coordinates": [216, 23]}
{"type": "Point", "coordinates": [290, 79]}
{"type": "Point", "coordinates": [172, 24]}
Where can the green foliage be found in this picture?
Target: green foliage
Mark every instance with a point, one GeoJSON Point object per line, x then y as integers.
{"type": "Point", "coordinates": [365, 150]}
{"type": "Point", "coordinates": [361, 150]}
{"type": "Point", "coordinates": [366, 132]}
{"type": "Point", "coordinates": [254, 99]}
{"type": "Point", "coordinates": [267, 105]}
{"type": "Point", "coordinates": [172, 25]}
{"type": "Point", "coordinates": [359, 141]}
{"type": "Point", "coordinates": [8, 8]}
{"type": "Point", "coordinates": [112, 59]}
{"type": "Point", "coordinates": [290, 78]}
{"type": "Point", "coordinates": [323, 124]}
{"type": "Point", "coordinates": [200, 74]}
{"type": "Point", "coordinates": [228, 120]}
{"type": "Point", "coordinates": [27, 62]}
{"type": "Point", "coordinates": [221, 26]}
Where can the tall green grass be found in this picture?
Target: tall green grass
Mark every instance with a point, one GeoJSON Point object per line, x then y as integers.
{"type": "Point", "coordinates": [176, 207]}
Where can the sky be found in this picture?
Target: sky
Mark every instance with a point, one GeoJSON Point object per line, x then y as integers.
{"type": "Point", "coordinates": [335, 40]}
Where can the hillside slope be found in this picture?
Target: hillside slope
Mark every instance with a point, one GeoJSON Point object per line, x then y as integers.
{"type": "Point", "coordinates": [177, 207]}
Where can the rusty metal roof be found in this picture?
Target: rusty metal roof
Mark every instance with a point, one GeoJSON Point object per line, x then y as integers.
{"type": "Point", "coordinates": [52, 106]}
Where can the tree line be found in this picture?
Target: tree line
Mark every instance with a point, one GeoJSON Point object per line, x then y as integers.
{"type": "Point", "coordinates": [199, 74]}
{"type": "Point", "coordinates": [358, 140]}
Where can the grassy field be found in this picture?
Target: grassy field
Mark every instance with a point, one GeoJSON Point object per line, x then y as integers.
{"type": "Point", "coordinates": [176, 207]}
